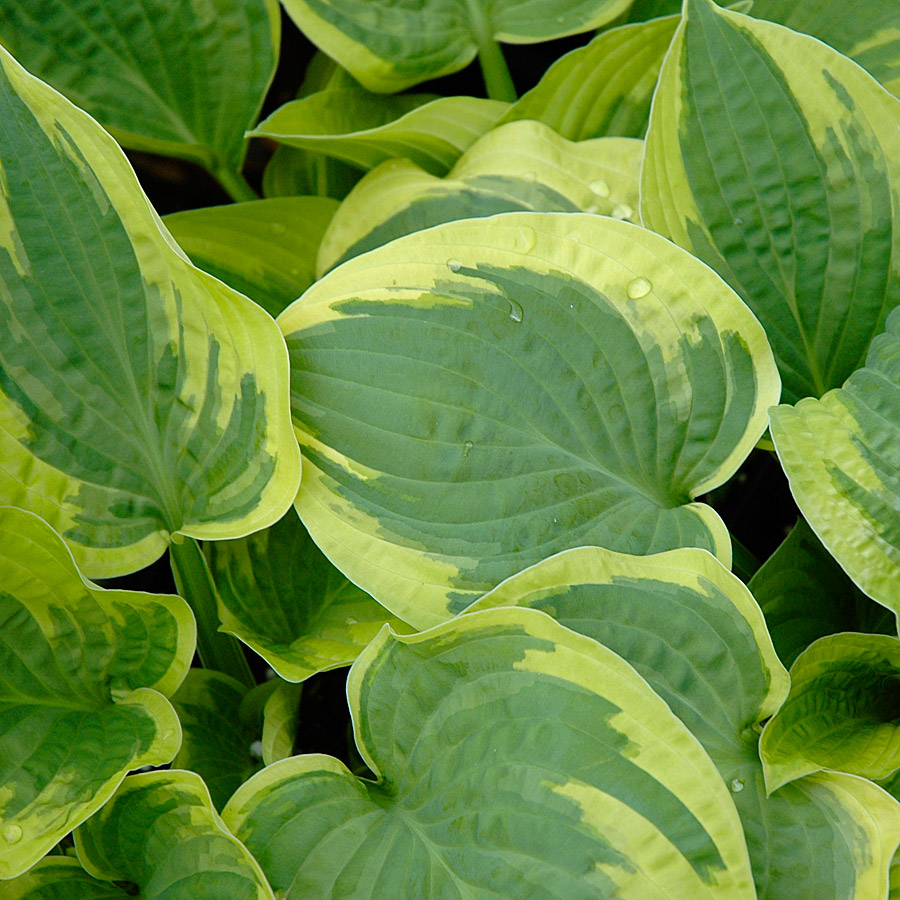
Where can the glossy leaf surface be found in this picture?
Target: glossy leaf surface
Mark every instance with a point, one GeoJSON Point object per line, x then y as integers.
{"type": "Point", "coordinates": [60, 878]}
{"type": "Point", "coordinates": [159, 74]}
{"type": "Point", "coordinates": [519, 166]}
{"type": "Point", "coordinates": [477, 396]}
{"type": "Point", "coordinates": [151, 405]}
{"type": "Point", "coordinates": [776, 160]}
{"type": "Point", "coordinates": [161, 833]}
{"type": "Point", "coordinates": [693, 631]}
{"type": "Point", "coordinates": [83, 678]}
{"type": "Point", "coordinates": [842, 458]}
{"type": "Point", "coordinates": [510, 739]}
{"type": "Point", "coordinates": [390, 45]}
{"type": "Point", "coordinates": [841, 713]}
{"type": "Point", "coordinates": [280, 717]}
{"type": "Point", "coordinates": [283, 598]}
{"type": "Point", "coordinates": [364, 129]}
{"type": "Point", "coordinates": [265, 249]}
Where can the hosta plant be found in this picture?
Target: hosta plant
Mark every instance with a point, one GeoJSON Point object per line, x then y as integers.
{"type": "Point", "coordinates": [561, 406]}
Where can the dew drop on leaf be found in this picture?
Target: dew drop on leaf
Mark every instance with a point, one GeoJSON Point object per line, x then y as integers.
{"type": "Point", "coordinates": [467, 449]}
{"type": "Point", "coordinates": [599, 187]}
{"type": "Point", "coordinates": [736, 785]}
{"type": "Point", "coordinates": [592, 208]}
{"type": "Point", "coordinates": [622, 211]}
{"type": "Point", "coordinates": [454, 265]}
{"type": "Point", "coordinates": [638, 287]}
{"type": "Point", "coordinates": [12, 834]}
{"type": "Point", "coordinates": [529, 176]}
{"type": "Point", "coordinates": [516, 313]}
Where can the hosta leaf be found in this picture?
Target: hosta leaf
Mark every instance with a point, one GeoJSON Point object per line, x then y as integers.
{"type": "Point", "coordinates": [479, 395]}
{"type": "Point", "coordinates": [390, 45]}
{"type": "Point", "coordinates": [60, 878]}
{"type": "Point", "coordinates": [290, 172]}
{"type": "Point", "coordinates": [519, 166]}
{"type": "Point", "coordinates": [805, 595]}
{"type": "Point", "coordinates": [842, 458]}
{"type": "Point", "coordinates": [265, 249]}
{"type": "Point", "coordinates": [604, 88]}
{"type": "Point", "coordinates": [841, 713]}
{"type": "Point", "coordinates": [83, 672]}
{"type": "Point", "coordinates": [281, 715]}
{"type": "Point", "coordinates": [139, 396]}
{"type": "Point", "coordinates": [867, 31]}
{"type": "Point", "coordinates": [364, 129]}
{"type": "Point", "coordinates": [161, 833]}
{"type": "Point", "coordinates": [159, 74]}
{"type": "Point", "coordinates": [776, 160]}
{"type": "Point", "coordinates": [513, 758]}
{"type": "Point", "coordinates": [216, 736]}
{"type": "Point", "coordinates": [693, 631]}
{"type": "Point", "coordinates": [283, 598]}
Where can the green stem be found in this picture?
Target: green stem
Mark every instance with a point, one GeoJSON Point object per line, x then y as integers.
{"type": "Point", "coordinates": [234, 182]}
{"type": "Point", "coordinates": [497, 79]}
{"type": "Point", "coordinates": [193, 579]}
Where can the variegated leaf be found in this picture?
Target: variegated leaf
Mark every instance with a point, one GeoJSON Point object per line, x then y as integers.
{"type": "Point", "coordinates": [476, 396]}
{"type": "Point", "coordinates": [84, 675]}
{"type": "Point", "coordinates": [139, 396]}
{"type": "Point", "coordinates": [519, 166]}
{"type": "Point", "coordinates": [776, 160]}
{"type": "Point", "coordinates": [518, 759]}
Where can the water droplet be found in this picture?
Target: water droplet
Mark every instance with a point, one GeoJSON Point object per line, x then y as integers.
{"type": "Point", "coordinates": [599, 187]}
{"type": "Point", "coordinates": [638, 287]}
{"type": "Point", "coordinates": [12, 834]}
{"type": "Point", "coordinates": [168, 734]}
{"type": "Point", "coordinates": [528, 176]}
{"type": "Point", "coordinates": [738, 220]}
{"type": "Point", "coordinates": [516, 313]}
{"type": "Point", "coordinates": [555, 521]}
{"type": "Point", "coordinates": [622, 211]}
{"type": "Point", "coordinates": [526, 238]}
{"type": "Point", "coordinates": [454, 265]}
{"type": "Point", "coordinates": [352, 621]}
{"type": "Point", "coordinates": [571, 306]}
{"type": "Point", "coordinates": [736, 785]}
{"type": "Point", "coordinates": [467, 449]}
{"type": "Point", "coordinates": [256, 749]}
{"type": "Point", "coordinates": [592, 208]}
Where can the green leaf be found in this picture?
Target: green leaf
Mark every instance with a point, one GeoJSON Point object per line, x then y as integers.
{"type": "Point", "coordinates": [477, 396]}
{"type": "Point", "coordinates": [389, 45]}
{"type": "Point", "coordinates": [83, 674]}
{"type": "Point", "coordinates": [604, 88]}
{"type": "Point", "coordinates": [60, 878]}
{"type": "Point", "coordinates": [841, 713]}
{"type": "Point", "coordinates": [867, 31]}
{"type": "Point", "coordinates": [805, 595]}
{"type": "Point", "coordinates": [281, 715]}
{"type": "Point", "coordinates": [161, 832]}
{"type": "Point", "coordinates": [776, 160]}
{"type": "Point", "coordinates": [283, 598]}
{"type": "Point", "coordinates": [290, 172]}
{"type": "Point", "coordinates": [364, 129]}
{"type": "Point", "coordinates": [265, 249]}
{"type": "Point", "coordinates": [842, 458]}
{"type": "Point", "coordinates": [216, 736]}
{"type": "Point", "coordinates": [159, 74]}
{"type": "Point", "coordinates": [152, 405]}
{"type": "Point", "coordinates": [695, 634]}
{"type": "Point", "coordinates": [519, 166]}
{"type": "Point", "coordinates": [518, 759]}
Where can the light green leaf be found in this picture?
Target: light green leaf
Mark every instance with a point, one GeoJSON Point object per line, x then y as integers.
{"type": "Point", "coordinates": [867, 31]}
{"type": "Point", "coordinates": [60, 878]}
{"type": "Point", "coordinates": [139, 396]}
{"type": "Point", "coordinates": [281, 715]}
{"type": "Point", "coordinates": [265, 249]}
{"type": "Point", "coordinates": [519, 166]}
{"type": "Point", "coordinates": [389, 45]}
{"type": "Point", "coordinates": [805, 595]}
{"type": "Point", "coordinates": [693, 631]}
{"type": "Point", "coordinates": [159, 74]}
{"type": "Point", "coordinates": [217, 737]}
{"type": "Point", "coordinates": [283, 598]}
{"type": "Point", "coordinates": [842, 458]}
{"type": "Point", "coordinates": [776, 160]}
{"type": "Point", "coordinates": [83, 674]}
{"type": "Point", "coordinates": [161, 833]}
{"type": "Point", "coordinates": [519, 759]}
{"type": "Point", "coordinates": [479, 395]}
{"type": "Point", "coordinates": [364, 129]}
{"type": "Point", "coordinates": [841, 713]}
{"type": "Point", "coordinates": [604, 88]}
